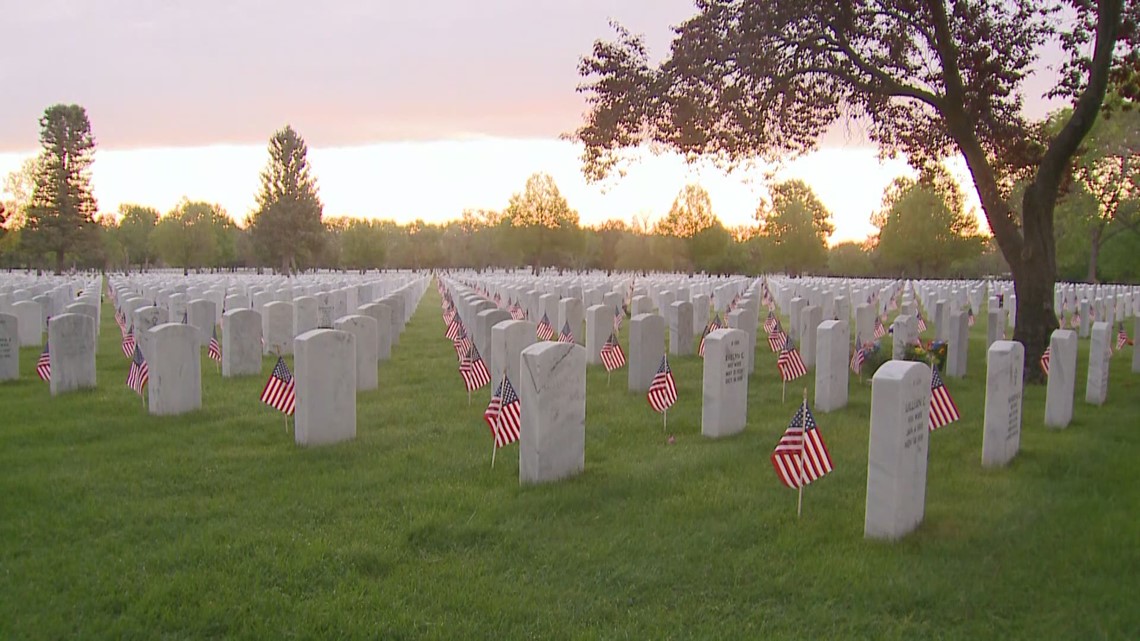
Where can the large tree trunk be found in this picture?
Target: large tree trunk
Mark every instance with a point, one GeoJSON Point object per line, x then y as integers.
{"type": "Point", "coordinates": [1094, 252]}
{"type": "Point", "coordinates": [59, 263]}
{"type": "Point", "coordinates": [1033, 281]}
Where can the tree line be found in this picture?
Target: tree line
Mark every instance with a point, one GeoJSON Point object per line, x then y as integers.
{"type": "Point", "coordinates": [922, 227]}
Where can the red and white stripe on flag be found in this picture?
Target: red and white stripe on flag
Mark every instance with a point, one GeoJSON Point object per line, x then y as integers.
{"type": "Point", "coordinates": [801, 455]}
{"type": "Point", "coordinates": [943, 411]}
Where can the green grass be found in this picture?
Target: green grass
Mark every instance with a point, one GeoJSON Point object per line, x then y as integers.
{"type": "Point", "coordinates": [116, 524]}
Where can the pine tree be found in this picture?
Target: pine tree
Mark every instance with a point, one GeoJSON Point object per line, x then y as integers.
{"type": "Point", "coordinates": [61, 216]}
{"type": "Point", "coordinates": [287, 226]}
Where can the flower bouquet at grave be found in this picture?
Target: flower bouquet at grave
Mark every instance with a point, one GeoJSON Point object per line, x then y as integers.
{"type": "Point", "coordinates": [874, 358]}
{"type": "Point", "coordinates": [934, 351]}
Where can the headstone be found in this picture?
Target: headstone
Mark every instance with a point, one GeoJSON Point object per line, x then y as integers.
{"type": "Point", "coordinates": [905, 333]}
{"type": "Point", "coordinates": [864, 322]}
{"type": "Point", "coordinates": [1136, 345]}
{"type": "Point", "coordinates": [552, 443]}
{"type": "Point", "coordinates": [1005, 366]}
{"type": "Point", "coordinates": [363, 328]}
{"type": "Point", "coordinates": [484, 321]}
{"type": "Point", "coordinates": [897, 451]}
{"type": "Point", "coordinates": [1086, 318]}
{"type": "Point", "coordinates": [957, 343]}
{"type": "Point", "coordinates": [306, 314]}
{"type": "Point", "coordinates": [87, 309]}
{"type": "Point", "coordinates": [941, 318]}
{"type": "Point", "coordinates": [831, 338]}
{"type": "Point", "coordinates": [508, 339]}
{"type": "Point", "coordinates": [241, 342]}
{"type": "Point", "coordinates": [277, 327]}
{"type": "Point", "coordinates": [1062, 378]}
{"type": "Point", "coordinates": [599, 325]}
{"type": "Point", "coordinates": [29, 317]}
{"type": "Point", "coordinates": [795, 324]}
{"type": "Point", "coordinates": [325, 386]}
{"type": "Point", "coordinates": [640, 305]}
{"type": "Point", "coordinates": [810, 318]}
{"type": "Point", "coordinates": [382, 314]}
{"type": "Point", "coordinates": [1100, 353]}
{"type": "Point", "coordinates": [71, 341]}
{"type": "Point", "coordinates": [174, 369]}
{"type": "Point", "coordinates": [646, 347]}
{"type": "Point", "coordinates": [724, 402]}
{"type": "Point", "coordinates": [202, 315]}
{"type": "Point", "coordinates": [570, 312]}
{"type": "Point", "coordinates": [9, 347]}
{"type": "Point", "coordinates": [995, 325]}
{"type": "Point", "coordinates": [681, 328]}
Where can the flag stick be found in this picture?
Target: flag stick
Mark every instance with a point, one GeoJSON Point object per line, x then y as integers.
{"type": "Point", "coordinates": [784, 392]}
{"type": "Point", "coordinates": [494, 449]}
{"type": "Point", "coordinates": [665, 420]}
{"type": "Point", "coordinates": [803, 445]}
{"type": "Point", "coordinates": [608, 372]}
{"type": "Point", "coordinates": [468, 398]}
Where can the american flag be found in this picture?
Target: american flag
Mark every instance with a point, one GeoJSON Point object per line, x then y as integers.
{"type": "Point", "coordinates": [970, 320]}
{"type": "Point", "coordinates": [214, 351]}
{"type": "Point", "coordinates": [943, 411]}
{"type": "Point", "coordinates": [504, 414]}
{"type": "Point", "coordinates": [858, 357]}
{"type": "Point", "coordinates": [612, 356]}
{"type": "Point", "coordinates": [1121, 338]}
{"type": "Point", "coordinates": [43, 366]}
{"type": "Point", "coordinates": [921, 323]}
{"type": "Point", "coordinates": [789, 362]}
{"type": "Point", "coordinates": [776, 338]}
{"type": "Point", "coordinates": [1045, 360]}
{"type": "Point", "coordinates": [712, 326]}
{"type": "Point", "coordinates": [454, 327]}
{"type": "Point", "coordinates": [279, 392]}
{"type": "Point", "coordinates": [121, 320]}
{"type": "Point", "coordinates": [771, 323]}
{"type": "Point", "coordinates": [618, 317]}
{"type": "Point", "coordinates": [517, 312]}
{"type": "Point", "coordinates": [567, 335]}
{"type": "Point", "coordinates": [801, 455]}
{"type": "Point", "coordinates": [462, 344]}
{"type": "Point", "coordinates": [129, 343]}
{"type": "Point", "coordinates": [662, 391]}
{"type": "Point", "coordinates": [139, 372]}
{"type": "Point", "coordinates": [880, 331]}
{"type": "Point", "coordinates": [473, 370]}
{"type": "Point", "coordinates": [498, 301]}
{"type": "Point", "coordinates": [1075, 320]}
{"type": "Point", "coordinates": [545, 329]}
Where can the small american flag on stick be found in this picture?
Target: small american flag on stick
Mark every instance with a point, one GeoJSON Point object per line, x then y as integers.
{"type": "Point", "coordinates": [663, 390]}
{"type": "Point", "coordinates": [612, 356]}
{"type": "Point", "coordinates": [943, 411]}
{"type": "Point", "coordinates": [504, 414]}
{"type": "Point", "coordinates": [280, 391]}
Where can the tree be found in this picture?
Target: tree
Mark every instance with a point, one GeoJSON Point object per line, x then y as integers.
{"type": "Point", "coordinates": [690, 214]}
{"type": "Point", "coordinates": [849, 259]}
{"type": "Point", "coordinates": [543, 227]}
{"type": "Point", "coordinates": [61, 215]}
{"type": "Point", "coordinates": [1107, 170]}
{"type": "Point", "coordinates": [362, 245]}
{"type": "Point", "coordinates": [136, 224]}
{"type": "Point", "coordinates": [747, 79]}
{"type": "Point", "coordinates": [16, 195]}
{"type": "Point", "coordinates": [923, 226]}
{"type": "Point", "coordinates": [193, 235]}
{"type": "Point", "coordinates": [798, 226]}
{"type": "Point", "coordinates": [287, 225]}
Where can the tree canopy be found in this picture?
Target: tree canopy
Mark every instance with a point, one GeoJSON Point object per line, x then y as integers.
{"type": "Point", "coordinates": [544, 229]}
{"type": "Point", "coordinates": [287, 224]}
{"type": "Point", "coordinates": [797, 226]}
{"type": "Point", "coordinates": [61, 213]}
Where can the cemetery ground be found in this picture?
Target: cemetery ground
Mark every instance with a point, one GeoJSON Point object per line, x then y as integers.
{"type": "Point", "coordinates": [117, 524]}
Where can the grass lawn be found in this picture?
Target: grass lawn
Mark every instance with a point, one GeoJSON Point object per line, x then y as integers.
{"type": "Point", "coordinates": [116, 524]}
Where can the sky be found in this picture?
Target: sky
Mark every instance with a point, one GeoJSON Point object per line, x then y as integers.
{"type": "Point", "coordinates": [410, 110]}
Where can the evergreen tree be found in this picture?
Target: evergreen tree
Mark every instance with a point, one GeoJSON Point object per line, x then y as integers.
{"type": "Point", "coordinates": [61, 216]}
{"type": "Point", "coordinates": [287, 227]}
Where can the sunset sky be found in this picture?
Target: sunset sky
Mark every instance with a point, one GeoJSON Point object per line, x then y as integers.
{"type": "Point", "coordinates": [410, 110]}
